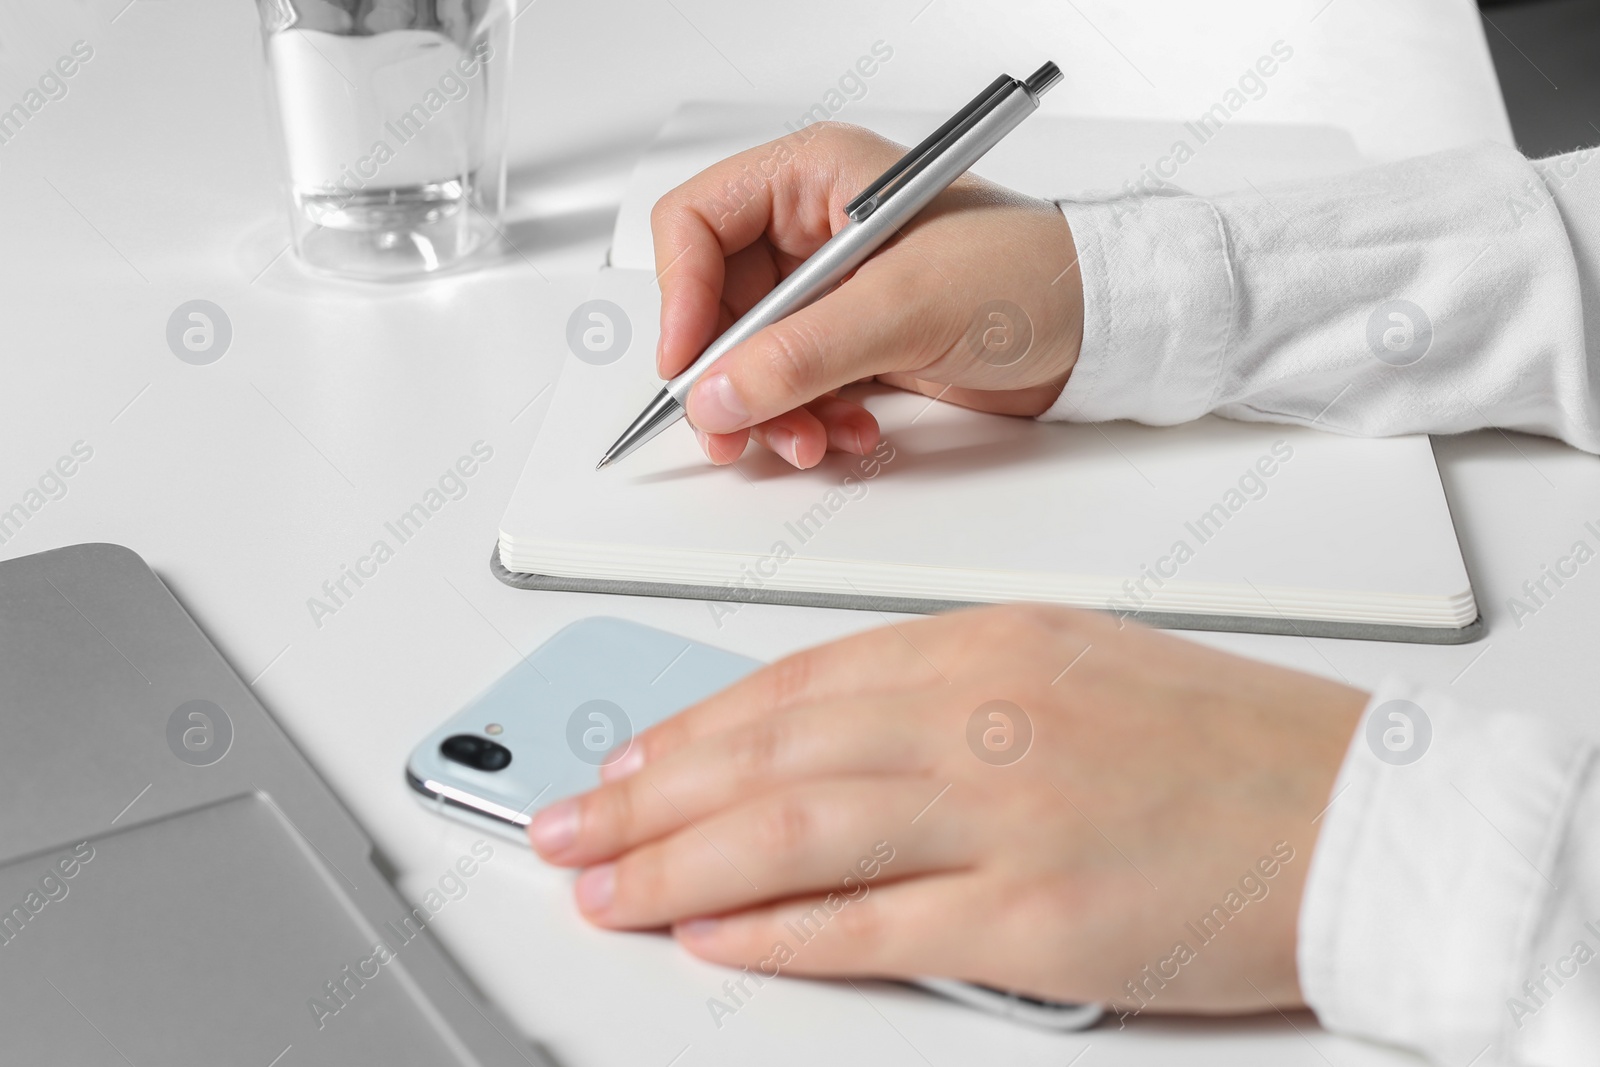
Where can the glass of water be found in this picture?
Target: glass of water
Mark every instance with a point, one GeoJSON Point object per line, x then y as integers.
{"type": "Point", "coordinates": [393, 115]}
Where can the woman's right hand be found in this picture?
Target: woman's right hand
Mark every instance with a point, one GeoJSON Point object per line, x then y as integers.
{"type": "Point", "coordinates": [977, 301]}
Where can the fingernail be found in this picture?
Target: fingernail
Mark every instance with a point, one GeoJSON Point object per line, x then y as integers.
{"type": "Point", "coordinates": [555, 828]}
{"type": "Point", "coordinates": [695, 929]}
{"type": "Point", "coordinates": [595, 887]}
{"type": "Point", "coordinates": [786, 444]}
{"type": "Point", "coordinates": [716, 407]}
{"type": "Point", "coordinates": [624, 765]}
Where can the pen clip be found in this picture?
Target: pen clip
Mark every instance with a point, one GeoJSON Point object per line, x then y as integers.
{"type": "Point", "coordinates": [873, 196]}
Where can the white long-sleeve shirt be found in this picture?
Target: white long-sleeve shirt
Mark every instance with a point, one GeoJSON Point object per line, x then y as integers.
{"type": "Point", "coordinates": [1453, 903]}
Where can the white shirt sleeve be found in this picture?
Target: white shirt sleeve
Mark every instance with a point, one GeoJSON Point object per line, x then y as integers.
{"type": "Point", "coordinates": [1441, 294]}
{"type": "Point", "coordinates": [1453, 902]}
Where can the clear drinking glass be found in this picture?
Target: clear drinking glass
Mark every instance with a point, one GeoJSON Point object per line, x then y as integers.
{"type": "Point", "coordinates": [393, 115]}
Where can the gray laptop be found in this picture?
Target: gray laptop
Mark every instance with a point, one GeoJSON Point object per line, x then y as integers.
{"type": "Point", "coordinates": [177, 886]}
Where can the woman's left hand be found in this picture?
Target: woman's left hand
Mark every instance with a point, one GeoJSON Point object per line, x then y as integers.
{"type": "Point", "coordinates": [1033, 798]}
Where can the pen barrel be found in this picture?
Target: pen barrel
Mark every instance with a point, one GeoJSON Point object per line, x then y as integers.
{"type": "Point", "coordinates": [850, 247]}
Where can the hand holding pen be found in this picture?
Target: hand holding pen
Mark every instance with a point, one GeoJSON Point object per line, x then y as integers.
{"type": "Point", "coordinates": [919, 314]}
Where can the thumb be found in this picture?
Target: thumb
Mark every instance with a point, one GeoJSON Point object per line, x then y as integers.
{"type": "Point", "coordinates": [854, 332]}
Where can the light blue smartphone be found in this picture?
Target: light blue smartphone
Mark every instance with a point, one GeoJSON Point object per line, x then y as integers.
{"type": "Point", "coordinates": [543, 731]}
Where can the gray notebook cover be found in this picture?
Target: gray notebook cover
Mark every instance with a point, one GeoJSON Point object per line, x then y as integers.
{"type": "Point", "coordinates": [1248, 624]}
{"type": "Point", "coordinates": [177, 886]}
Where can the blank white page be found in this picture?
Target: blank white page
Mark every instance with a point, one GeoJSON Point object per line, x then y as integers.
{"type": "Point", "coordinates": [1271, 520]}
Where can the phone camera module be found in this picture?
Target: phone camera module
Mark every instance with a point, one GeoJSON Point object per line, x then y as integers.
{"type": "Point", "coordinates": [479, 753]}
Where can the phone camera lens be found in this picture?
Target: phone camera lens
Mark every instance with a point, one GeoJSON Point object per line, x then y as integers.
{"type": "Point", "coordinates": [479, 753]}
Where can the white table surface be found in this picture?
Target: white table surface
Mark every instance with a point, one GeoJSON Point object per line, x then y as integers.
{"type": "Point", "coordinates": [249, 482]}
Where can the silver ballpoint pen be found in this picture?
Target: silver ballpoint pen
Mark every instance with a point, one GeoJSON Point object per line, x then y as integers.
{"type": "Point", "coordinates": [876, 215]}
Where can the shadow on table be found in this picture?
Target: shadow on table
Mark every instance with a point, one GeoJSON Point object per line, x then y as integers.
{"type": "Point", "coordinates": [570, 199]}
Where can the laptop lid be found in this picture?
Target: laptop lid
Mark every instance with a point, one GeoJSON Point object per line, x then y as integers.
{"type": "Point", "coordinates": [177, 885]}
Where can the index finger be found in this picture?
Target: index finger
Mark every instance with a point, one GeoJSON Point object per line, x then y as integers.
{"type": "Point", "coordinates": [695, 227]}
{"type": "Point", "coordinates": [784, 189]}
{"type": "Point", "coordinates": [884, 660]}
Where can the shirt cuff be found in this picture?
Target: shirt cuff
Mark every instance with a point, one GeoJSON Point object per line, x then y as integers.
{"type": "Point", "coordinates": [1432, 870]}
{"type": "Point", "coordinates": [1157, 309]}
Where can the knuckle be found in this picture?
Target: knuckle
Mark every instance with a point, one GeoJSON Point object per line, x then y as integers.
{"type": "Point", "coordinates": [609, 814]}
{"type": "Point", "coordinates": [861, 925]}
{"type": "Point", "coordinates": [660, 740]}
{"type": "Point", "coordinates": [1018, 627]}
{"type": "Point", "coordinates": [790, 679]}
{"type": "Point", "coordinates": [1036, 617]}
{"type": "Point", "coordinates": [830, 133]}
{"type": "Point", "coordinates": [671, 207]}
{"type": "Point", "coordinates": [786, 825]}
{"type": "Point", "coordinates": [789, 358]}
{"type": "Point", "coordinates": [1054, 620]}
{"type": "Point", "coordinates": [756, 750]}
{"type": "Point", "coordinates": [1030, 637]}
{"type": "Point", "coordinates": [835, 137]}
{"type": "Point", "coordinates": [662, 210]}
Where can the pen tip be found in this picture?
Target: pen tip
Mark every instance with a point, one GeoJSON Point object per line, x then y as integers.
{"type": "Point", "coordinates": [605, 461]}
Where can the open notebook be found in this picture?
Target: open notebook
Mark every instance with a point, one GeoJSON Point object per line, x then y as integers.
{"type": "Point", "coordinates": [1216, 524]}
